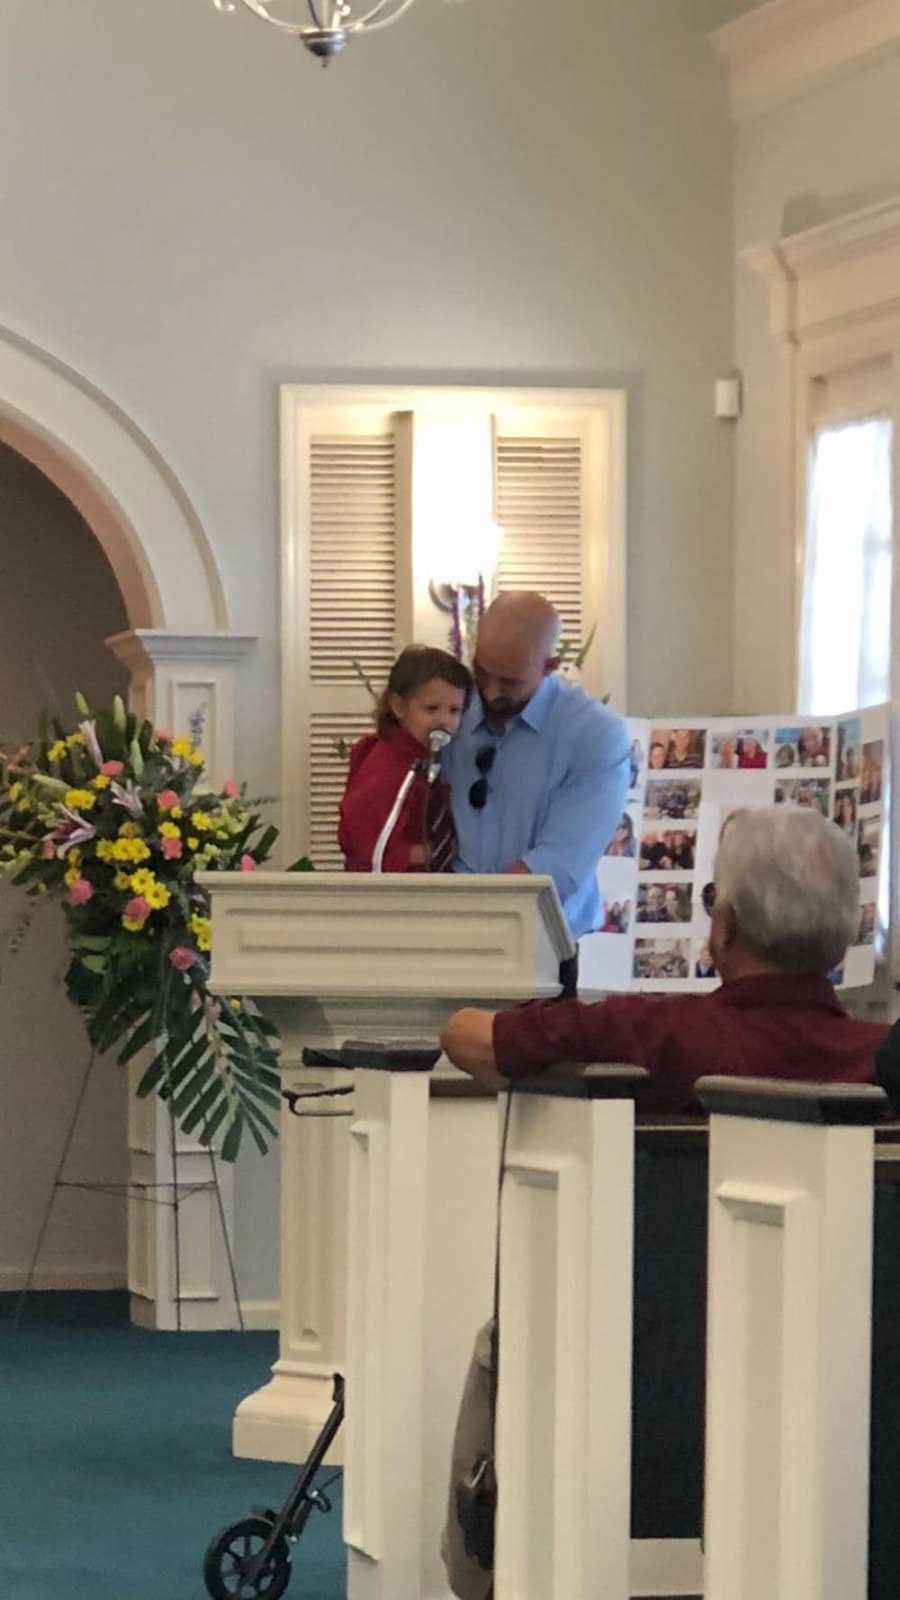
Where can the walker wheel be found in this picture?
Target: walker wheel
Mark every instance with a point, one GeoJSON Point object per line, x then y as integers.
{"type": "Point", "coordinates": [231, 1569]}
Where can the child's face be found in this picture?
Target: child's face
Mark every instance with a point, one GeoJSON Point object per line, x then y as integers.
{"type": "Point", "coordinates": [436, 705]}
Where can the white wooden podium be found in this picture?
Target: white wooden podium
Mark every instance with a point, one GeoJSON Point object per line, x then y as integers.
{"type": "Point", "coordinates": [344, 955]}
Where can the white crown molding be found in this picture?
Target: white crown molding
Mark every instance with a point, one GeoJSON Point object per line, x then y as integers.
{"type": "Point", "coordinates": [786, 48]}
{"type": "Point", "coordinates": [841, 274]}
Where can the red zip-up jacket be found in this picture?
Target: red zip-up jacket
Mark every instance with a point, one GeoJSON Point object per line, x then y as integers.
{"type": "Point", "coordinates": [378, 767]}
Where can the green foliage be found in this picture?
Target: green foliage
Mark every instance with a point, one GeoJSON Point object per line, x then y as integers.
{"type": "Point", "coordinates": [120, 850]}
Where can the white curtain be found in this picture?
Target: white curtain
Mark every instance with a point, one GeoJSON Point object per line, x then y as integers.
{"type": "Point", "coordinates": [845, 645]}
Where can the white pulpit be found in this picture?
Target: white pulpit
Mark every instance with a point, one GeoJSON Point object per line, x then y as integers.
{"type": "Point", "coordinates": [337, 956]}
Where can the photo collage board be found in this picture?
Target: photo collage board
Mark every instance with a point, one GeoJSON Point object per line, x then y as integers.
{"type": "Point", "coordinates": [687, 776]}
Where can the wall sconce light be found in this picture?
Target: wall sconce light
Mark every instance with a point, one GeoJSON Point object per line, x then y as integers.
{"type": "Point", "coordinates": [462, 583]}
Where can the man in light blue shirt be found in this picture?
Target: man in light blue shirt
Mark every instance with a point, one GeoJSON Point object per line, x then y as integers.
{"type": "Point", "coordinates": [539, 770]}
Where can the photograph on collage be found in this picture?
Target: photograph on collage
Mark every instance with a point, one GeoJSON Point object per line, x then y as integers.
{"type": "Point", "coordinates": [804, 792]}
{"type": "Point", "coordinates": [704, 966]}
{"type": "Point", "coordinates": [635, 764]}
{"type": "Point", "coordinates": [802, 747]}
{"type": "Point", "coordinates": [871, 769]}
{"type": "Point", "coordinates": [624, 839]}
{"type": "Point", "coordinates": [664, 902]}
{"type": "Point", "coordinates": [668, 850]}
{"type": "Point", "coordinates": [740, 750]}
{"type": "Point", "coordinates": [669, 797]}
{"type": "Point", "coordinates": [845, 801]}
{"type": "Point", "coordinates": [617, 916]}
{"type": "Point", "coordinates": [867, 845]}
{"type": "Point", "coordinates": [676, 747]}
{"type": "Point", "coordinates": [849, 735]}
{"type": "Point", "coordinates": [866, 931]}
{"type": "Point", "coordinates": [662, 958]}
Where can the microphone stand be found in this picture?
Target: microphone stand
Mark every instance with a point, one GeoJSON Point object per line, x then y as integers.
{"type": "Point", "coordinates": [436, 741]}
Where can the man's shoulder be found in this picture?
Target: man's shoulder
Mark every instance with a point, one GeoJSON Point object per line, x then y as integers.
{"type": "Point", "coordinates": [588, 717]}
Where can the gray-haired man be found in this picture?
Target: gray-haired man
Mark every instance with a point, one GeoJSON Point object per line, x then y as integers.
{"type": "Point", "coordinates": [786, 906]}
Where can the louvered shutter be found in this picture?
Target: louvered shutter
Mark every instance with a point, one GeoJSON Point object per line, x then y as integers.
{"type": "Point", "coordinates": [349, 599]}
{"type": "Point", "coordinates": [557, 473]}
{"type": "Point", "coordinates": [538, 506]}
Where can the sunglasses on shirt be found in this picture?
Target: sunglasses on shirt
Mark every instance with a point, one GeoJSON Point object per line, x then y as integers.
{"type": "Point", "coordinates": [479, 791]}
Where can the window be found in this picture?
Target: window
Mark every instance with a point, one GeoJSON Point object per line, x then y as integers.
{"type": "Point", "coordinates": [845, 646]}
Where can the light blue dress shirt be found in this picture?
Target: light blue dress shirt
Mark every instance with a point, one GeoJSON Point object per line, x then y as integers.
{"type": "Point", "coordinates": [556, 792]}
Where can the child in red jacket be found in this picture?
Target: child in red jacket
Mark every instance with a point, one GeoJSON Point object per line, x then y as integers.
{"type": "Point", "coordinates": [427, 689]}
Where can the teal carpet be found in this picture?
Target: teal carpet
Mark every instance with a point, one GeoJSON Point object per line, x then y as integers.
{"type": "Point", "coordinates": [115, 1457]}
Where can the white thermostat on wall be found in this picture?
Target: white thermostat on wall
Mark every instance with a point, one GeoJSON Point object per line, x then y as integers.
{"type": "Point", "coordinates": [728, 397]}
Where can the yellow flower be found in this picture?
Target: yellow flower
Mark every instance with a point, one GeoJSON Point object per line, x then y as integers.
{"type": "Point", "coordinates": [129, 830]}
{"type": "Point", "coordinates": [169, 830]}
{"type": "Point", "coordinates": [101, 781]}
{"type": "Point", "coordinates": [183, 747]}
{"type": "Point", "coordinates": [132, 924]}
{"type": "Point", "coordinates": [105, 850]}
{"type": "Point", "coordinates": [122, 881]}
{"type": "Point", "coordinates": [196, 759]}
{"type": "Point", "coordinates": [201, 931]}
{"type": "Point", "coordinates": [235, 1004]}
{"type": "Point", "coordinates": [74, 738]}
{"type": "Point", "coordinates": [57, 750]}
{"type": "Point", "coordinates": [142, 880]}
{"type": "Point", "coordinates": [176, 813]}
{"type": "Point", "coordinates": [192, 842]}
{"type": "Point", "coordinates": [202, 822]}
{"type": "Point", "coordinates": [128, 850]}
{"type": "Point", "coordinates": [156, 896]}
{"type": "Point", "coordinates": [15, 789]}
{"type": "Point", "coordinates": [74, 857]}
{"type": "Point", "coordinates": [72, 875]}
{"type": "Point", "coordinates": [80, 799]}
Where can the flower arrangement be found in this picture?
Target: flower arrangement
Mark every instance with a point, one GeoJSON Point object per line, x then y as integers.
{"type": "Point", "coordinates": [108, 819]}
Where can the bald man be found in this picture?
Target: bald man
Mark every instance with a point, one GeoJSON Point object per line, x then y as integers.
{"type": "Point", "coordinates": [539, 771]}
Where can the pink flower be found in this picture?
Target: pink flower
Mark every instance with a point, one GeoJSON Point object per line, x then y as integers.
{"type": "Point", "coordinates": [167, 799]}
{"type": "Point", "coordinates": [230, 789]}
{"type": "Point", "coordinates": [137, 908]}
{"type": "Point", "coordinates": [162, 736]}
{"type": "Point", "coordinates": [48, 848]}
{"type": "Point", "coordinates": [172, 849]}
{"type": "Point", "coordinates": [79, 892]}
{"type": "Point", "coordinates": [248, 864]}
{"type": "Point", "coordinates": [182, 958]}
{"type": "Point", "coordinates": [113, 769]}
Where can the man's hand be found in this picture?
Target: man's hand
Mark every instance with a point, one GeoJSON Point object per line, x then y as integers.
{"type": "Point", "coordinates": [517, 866]}
{"type": "Point", "coordinates": [468, 1039]}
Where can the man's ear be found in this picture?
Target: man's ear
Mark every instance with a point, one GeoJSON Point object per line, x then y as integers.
{"type": "Point", "coordinates": [725, 925]}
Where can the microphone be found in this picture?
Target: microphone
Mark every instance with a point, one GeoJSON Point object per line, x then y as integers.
{"type": "Point", "coordinates": [437, 739]}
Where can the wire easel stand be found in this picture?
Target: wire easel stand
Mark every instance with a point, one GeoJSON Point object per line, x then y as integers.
{"type": "Point", "coordinates": [166, 1193]}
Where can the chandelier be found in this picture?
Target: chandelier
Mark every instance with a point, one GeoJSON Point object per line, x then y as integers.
{"type": "Point", "coordinates": [323, 26]}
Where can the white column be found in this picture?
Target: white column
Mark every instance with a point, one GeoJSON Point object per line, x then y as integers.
{"type": "Point", "coordinates": [789, 1339]}
{"type": "Point", "coordinates": [176, 678]}
{"type": "Point", "coordinates": [385, 1335]}
{"type": "Point", "coordinates": [281, 1421]}
{"type": "Point", "coordinates": [564, 1402]}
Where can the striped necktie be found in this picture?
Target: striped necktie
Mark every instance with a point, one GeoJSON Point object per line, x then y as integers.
{"type": "Point", "coordinates": [439, 830]}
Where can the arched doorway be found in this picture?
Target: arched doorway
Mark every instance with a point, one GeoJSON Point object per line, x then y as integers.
{"type": "Point", "coordinates": [180, 658]}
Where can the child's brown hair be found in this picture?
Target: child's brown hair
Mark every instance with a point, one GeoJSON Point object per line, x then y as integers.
{"type": "Point", "coordinates": [415, 666]}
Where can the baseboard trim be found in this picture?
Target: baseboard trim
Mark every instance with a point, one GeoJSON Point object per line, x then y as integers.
{"type": "Point", "coordinates": [13, 1279]}
{"type": "Point", "coordinates": [666, 1567]}
{"type": "Point", "coordinates": [261, 1315]}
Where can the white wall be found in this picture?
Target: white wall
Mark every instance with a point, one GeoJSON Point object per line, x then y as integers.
{"type": "Point", "coordinates": [58, 599]}
{"type": "Point", "coordinates": [194, 211]}
{"type": "Point", "coordinates": [828, 154]}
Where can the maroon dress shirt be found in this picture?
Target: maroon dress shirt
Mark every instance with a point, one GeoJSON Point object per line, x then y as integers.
{"type": "Point", "coordinates": [377, 770]}
{"type": "Point", "coordinates": [777, 1026]}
